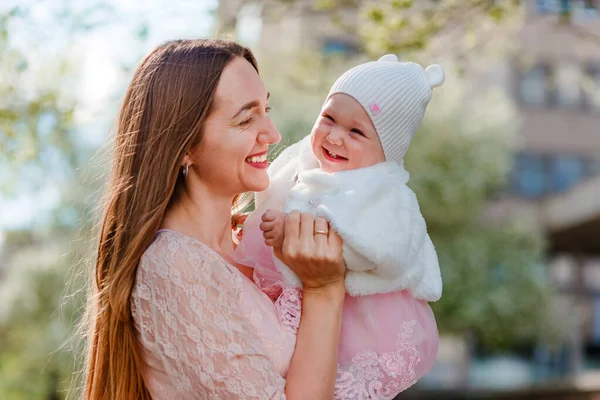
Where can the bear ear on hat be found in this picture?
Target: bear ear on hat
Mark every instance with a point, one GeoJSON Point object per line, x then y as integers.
{"type": "Point", "coordinates": [435, 75]}
{"type": "Point", "coordinates": [389, 58]}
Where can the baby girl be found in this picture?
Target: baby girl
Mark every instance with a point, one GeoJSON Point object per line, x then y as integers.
{"type": "Point", "coordinates": [350, 171]}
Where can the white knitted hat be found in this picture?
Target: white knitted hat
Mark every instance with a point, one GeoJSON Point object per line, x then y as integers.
{"type": "Point", "coordinates": [395, 95]}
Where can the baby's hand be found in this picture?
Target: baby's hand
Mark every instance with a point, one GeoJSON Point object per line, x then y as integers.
{"type": "Point", "coordinates": [273, 226]}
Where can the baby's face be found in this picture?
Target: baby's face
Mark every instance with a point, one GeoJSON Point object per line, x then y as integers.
{"type": "Point", "coordinates": [344, 137]}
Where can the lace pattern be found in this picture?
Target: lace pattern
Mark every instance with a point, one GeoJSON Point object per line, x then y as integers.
{"type": "Point", "coordinates": [200, 339]}
{"type": "Point", "coordinates": [370, 375]}
{"type": "Point", "coordinates": [289, 308]}
{"type": "Point", "coordinates": [380, 377]}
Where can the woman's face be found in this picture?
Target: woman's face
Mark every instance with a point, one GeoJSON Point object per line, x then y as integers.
{"type": "Point", "coordinates": [232, 155]}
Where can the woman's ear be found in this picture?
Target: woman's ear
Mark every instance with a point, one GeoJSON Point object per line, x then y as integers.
{"type": "Point", "coordinates": [187, 160]}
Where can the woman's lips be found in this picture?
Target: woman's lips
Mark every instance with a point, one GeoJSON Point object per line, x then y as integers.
{"type": "Point", "coordinates": [260, 165]}
{"type": "Point", "coordinates": [258, 160]}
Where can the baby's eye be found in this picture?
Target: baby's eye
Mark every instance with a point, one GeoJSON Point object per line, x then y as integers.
{"type": "Point", "coordinates": [328, 117]}
{"type": "Point", "coordinates": [268, 109]}
{"type": "Point", "coordinates": [357, 131]}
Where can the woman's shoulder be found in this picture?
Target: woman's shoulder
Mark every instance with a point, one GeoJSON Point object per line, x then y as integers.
{"type": "Point", "coordinates": [173, 253]}
{"type": "Point", "coordinates": [170, 244]}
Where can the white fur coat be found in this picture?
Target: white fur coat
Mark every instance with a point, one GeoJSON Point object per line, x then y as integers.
{"type": "Point", "coordinates": [386, 245]}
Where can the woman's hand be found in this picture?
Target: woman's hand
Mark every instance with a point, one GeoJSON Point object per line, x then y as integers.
{"type": "Point", "coordinates": [312, 250]}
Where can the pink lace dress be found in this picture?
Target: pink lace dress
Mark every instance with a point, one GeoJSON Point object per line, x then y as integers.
{"type": "Point", "coordinates": [207, 331]}
{"type": "Point", "coordinates": [387, 343]}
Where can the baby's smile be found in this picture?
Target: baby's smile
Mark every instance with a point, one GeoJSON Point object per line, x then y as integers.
{"type": "Point", "coordinates": [331, 156]}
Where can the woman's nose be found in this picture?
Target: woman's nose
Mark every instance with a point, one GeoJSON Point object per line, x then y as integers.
{"type": "Point", "coordinates": [269, 134]}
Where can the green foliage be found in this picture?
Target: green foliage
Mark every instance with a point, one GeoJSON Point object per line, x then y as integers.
{"type": "Point", "coordinates": [495, 286]}
{"type": "Point", "coordinates": [40, 301]}
{"type": "Point", "coordinates": [36, 117]}
{"type": "Point", "coordinates": [42, 292]}
{"type": "Point", "coordinates": [461, 154]}
{"type": "Point", "coordinates": [35, 322]}
{"type": "Point", "coordinates": [408, 26]}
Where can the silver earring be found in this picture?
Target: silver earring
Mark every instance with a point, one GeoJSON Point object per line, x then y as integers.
{"type": "Point", "coordinates": [186, 170]}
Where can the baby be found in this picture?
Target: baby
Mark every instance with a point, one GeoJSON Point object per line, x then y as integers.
{"type": "Point", "coordinates": [350, 171]}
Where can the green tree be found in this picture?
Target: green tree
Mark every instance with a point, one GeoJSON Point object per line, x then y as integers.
{"type": "Point", "coordinates": [36, 115]}
{"type": "Point", "coordinates": [41, 294]}
{"type": "Point", "coordinates": [402, 26]}
{"type": "Point", "coordinates": [495, 287]}
{"type": "Point", "coordinates": [35, 319]}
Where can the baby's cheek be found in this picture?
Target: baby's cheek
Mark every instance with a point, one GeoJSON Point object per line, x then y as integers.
{"type": "Point", "coordinates": [320, 130]}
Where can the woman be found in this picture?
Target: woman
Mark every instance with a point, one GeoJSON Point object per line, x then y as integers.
{"type": "Point", "coordinates": [173, 316]}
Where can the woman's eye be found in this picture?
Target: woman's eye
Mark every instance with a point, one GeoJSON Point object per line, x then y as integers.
{"type": "Point", "coordinates": [246, 121]}
{"type": "Point", "coordinates": [268, 109]}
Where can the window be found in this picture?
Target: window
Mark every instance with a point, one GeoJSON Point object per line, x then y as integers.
{"type": "Point", "coordinates": [567, 86]}
{"type": "Point", "coordinates": [596, 321]}
{"type": "Point", "coordinates": [552, 6]}
{"type": "Point", "coordinates": [578, 9]}
{"type": "Point", "coordinates": [566, 171]}
{"type": "Point", "coordinates": [528, 176]}
{"type": "Point", "coordinates": [567, 89]}
{"type": "Point", "coordinates": [536, 174]}
{"type": "Point", "coordinates": [534, 86]}
{"type": "Point", "coordinates": [333, 46]}
{"type": "Point", "coordinates": [591, 89]}
{"type": "Point", "coordinates": [590, 8]}
{"type": "Point", "coordinates": [594, 166]}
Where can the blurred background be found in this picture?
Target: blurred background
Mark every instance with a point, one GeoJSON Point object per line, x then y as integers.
{"type": "Point", "coordinates": [506, 167]}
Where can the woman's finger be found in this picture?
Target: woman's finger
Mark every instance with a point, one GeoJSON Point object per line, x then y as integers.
{"type": "Point", "coordinates": [334, 239]}
{"type": "Point", "coordinates": [307, 228]}
{"type": "Point", "coordinates": [321, 232]}
{"type": "Point", "coordinates": [292, 225]}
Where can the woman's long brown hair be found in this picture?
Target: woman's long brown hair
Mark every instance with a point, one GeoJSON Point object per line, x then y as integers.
{"type": "Point", "coordinates": [163, 112]}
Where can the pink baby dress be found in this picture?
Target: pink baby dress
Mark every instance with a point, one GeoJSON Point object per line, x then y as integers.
{"type": "Point", "coordinates": [388, 341]}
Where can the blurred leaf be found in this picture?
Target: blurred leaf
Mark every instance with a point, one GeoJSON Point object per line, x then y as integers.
{"type": "Point", "coordinates": [325, 4]}
{"type": "Point", "coordinates": [375, 14]}
{"type": "Point", "coordinates": [21, 65]}
{"type": "Point", "coordinates": [497, 13]}
{"type": "Point", "coordinates": [143, 31]}
{"type": "Point", "coordinates": [402, 4]}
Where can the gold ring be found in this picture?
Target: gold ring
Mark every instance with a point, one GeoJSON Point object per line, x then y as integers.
{"type": "Point", "coordinates": [321, 232]}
